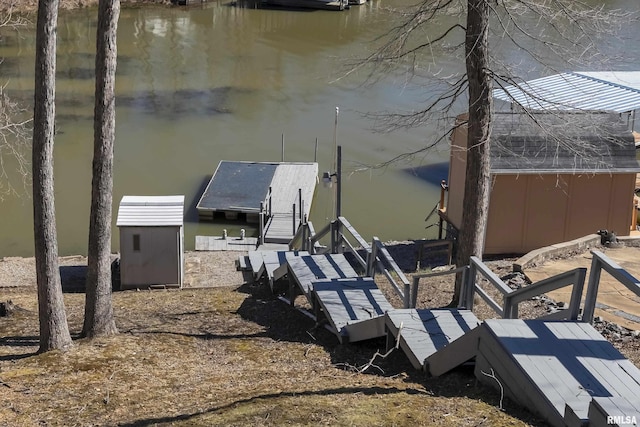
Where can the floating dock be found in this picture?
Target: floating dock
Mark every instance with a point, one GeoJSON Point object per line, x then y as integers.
{"type": "Point", "coordinates": [239, 190]}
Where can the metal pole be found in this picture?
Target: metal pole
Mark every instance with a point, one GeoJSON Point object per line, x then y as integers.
{"type": "Point", "coordinates": [261, 225]}
{"type": "Point", "coordinates": [339, 183]}
{"type": "Point", "coordinates": [315, 152]}
{"type": "Point", "coordinates": [294, 219]}
{"type": "Point", "coordinates": [300, 203]}
{"type": "Point", "coordinates": [335, 138]}
{"type": "Point", "coordinates": [283, 147]}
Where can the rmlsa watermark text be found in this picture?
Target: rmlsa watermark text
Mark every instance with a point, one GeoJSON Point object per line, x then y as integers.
{"type": "Point", "coordinates": [626, 420]}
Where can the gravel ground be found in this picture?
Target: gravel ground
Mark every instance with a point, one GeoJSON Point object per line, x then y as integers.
{"type": "Point", "coordinates": [202, 269]}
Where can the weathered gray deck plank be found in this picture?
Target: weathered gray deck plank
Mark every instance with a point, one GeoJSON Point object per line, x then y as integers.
{"type": "Point", "coordinates": [266, 262]}
{"type": "Point", "coordinates": [310, 268]}
{"type": "Point", "coordinates": [605, 363]}
{"type": "Point", "coordinates": [351, 301]}
{"type": "Point", "coordinates": [568, 363]}
{"type": "Point", "coordinates": [426, 331]}
{"type": "Point", "coordinates": [218, 243]}
{"type": "Point", "coordinates": [548, 376]}
{"type": "Point", "coordinates": [288, 180]}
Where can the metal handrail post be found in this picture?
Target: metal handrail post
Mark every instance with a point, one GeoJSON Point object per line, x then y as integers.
{"type": "Point", "coordinates": [333, 236]}
{"type": "Point", "coordinates": [407, 295]}
{"type": "Point", "coordinates": [261, 225]}
{"type": "Point", "coordinates": [294, 218]}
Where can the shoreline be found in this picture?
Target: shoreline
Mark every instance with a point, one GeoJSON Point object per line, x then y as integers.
{"type": "Point", "coordinates": [29, 7]}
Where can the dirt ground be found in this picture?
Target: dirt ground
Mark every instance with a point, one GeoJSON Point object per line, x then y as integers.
{"type": "Point", "coordinates": [227, 354]}
{"type": "Point", "coordinates": [225, 351]}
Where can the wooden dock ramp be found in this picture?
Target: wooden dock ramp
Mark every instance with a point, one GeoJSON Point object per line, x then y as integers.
{"type": "Point", "coordinates": [425, 332]}
{"type": "Point", "coordinates": [354, 307]}
{"type": "Point", "coordinates": [566, 372]}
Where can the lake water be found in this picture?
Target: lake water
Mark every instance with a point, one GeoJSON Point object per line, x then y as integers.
{"type": "Point", "coordinates": [221, 82]}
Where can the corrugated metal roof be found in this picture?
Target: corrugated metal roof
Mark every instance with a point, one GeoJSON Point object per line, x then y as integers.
{"type": "Point", "coordinates": [151, 211]}
{"type": "Point", "coordinates": [611, 91]}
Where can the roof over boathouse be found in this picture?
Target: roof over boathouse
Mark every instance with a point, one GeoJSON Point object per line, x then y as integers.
{"type": "Point", "coordinates": [613, 91]}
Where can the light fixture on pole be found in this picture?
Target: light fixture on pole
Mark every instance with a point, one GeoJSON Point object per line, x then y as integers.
{"type": "Point", "coordinates": [329, 178]}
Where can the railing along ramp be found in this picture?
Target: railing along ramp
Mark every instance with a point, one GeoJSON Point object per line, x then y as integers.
{"type": "Point", "coordinates": [558, 366]}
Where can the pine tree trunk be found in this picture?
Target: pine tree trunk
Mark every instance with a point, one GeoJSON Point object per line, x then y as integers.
{"type": "Point", "coordinates": [478, 179]}
{"type": "Point", "coordinates": [54, 331]}
{"type": "Point", "coordinates": [98, 319]}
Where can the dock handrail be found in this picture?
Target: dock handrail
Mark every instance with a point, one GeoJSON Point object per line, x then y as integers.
{"type": "Point", "coordinates": [601, 262]}
{"type": "Point", "coordinates": [466, 300]}
{"type": "Point", "coordinates": [302, 238]}
{"type": "Point", "coordinates": [263, 216]}
{"type": "Point", "coordinates": [511, 298]}
{"type": "Point", "coordinates": [378, 257]}
{"type": "Point", "coordinates": [575, 277]}
{"type": "Point", "coordinates": [416, 281]}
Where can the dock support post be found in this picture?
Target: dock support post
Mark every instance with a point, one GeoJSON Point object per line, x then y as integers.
{"type": "Point", "coordinates": [339, 183]}
{"type": "Point", "coordinates": [315, 152]}
{"type": "Point", "coordinates": [592, 290]}
{"type": "Point", "coordinates": [261, 225]}
{"type": "Point", "coordinates": [333, 236]}
{"type": "Point", "coordinates": [371, 260]}
{"type": "Point", "coordinates": [469, 287]}
{"type": "Point", "coordinates": [294, 219]}
{"type": "Point", "coordinates": [443, 187]}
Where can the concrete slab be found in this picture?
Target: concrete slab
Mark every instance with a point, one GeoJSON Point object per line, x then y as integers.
{"type": "Point", "coordinates": [614, 298]}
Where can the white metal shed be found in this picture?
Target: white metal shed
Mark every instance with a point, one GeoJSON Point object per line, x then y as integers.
{"type": "Point", "coordinates": [151, 241]}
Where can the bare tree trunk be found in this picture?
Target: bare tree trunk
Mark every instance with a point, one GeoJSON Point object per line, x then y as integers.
{"type": "Point", "coordinates": [478, 180]}
{"type": "Point", "coordinates": [54, 331]}
{"type": "Point", "coordinates": [98, 315]}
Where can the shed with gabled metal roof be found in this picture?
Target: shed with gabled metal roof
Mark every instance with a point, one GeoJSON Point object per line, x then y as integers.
{"type": "Point", "coordinates": [151, 241]}
{"type": "Point", "coordinates": [556, 176]}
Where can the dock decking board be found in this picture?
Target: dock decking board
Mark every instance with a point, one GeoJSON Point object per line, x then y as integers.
{"type": "Point", "coordinates": [309, 268]}
{"type": "Point", "coordinates": [351, 301]}
{"type": "Point", "coordinates": [217, 243]}
{"type": "Point", "coordinates": [568, 363]}
{"type": "Point", "coordinates": [424, 332]}
{"type": "Point", "coordinates": [288, 179]}
{"type": "Point", "coordinates": [266, 262]}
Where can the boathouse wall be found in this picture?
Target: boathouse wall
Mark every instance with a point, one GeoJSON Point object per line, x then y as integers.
{"type": "Point", "coordinates": [533, 207]}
